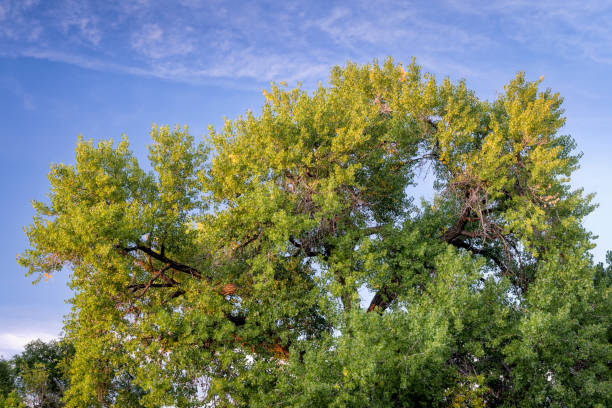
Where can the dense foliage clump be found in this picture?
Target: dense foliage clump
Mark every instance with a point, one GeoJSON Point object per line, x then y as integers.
{"type": "Point", "coordinates": [283, 262]}
{"type": "Point", "coordinates": [36, 378]}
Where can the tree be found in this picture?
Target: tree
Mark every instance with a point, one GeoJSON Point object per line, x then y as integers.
{"type": "Point", "coordinates": [6, 378]}
{"type": "Point", "coordinates": [234, 271]}
{"type": "Point", "coordinates": [7, 385]}
{"type": "Point", "coordinates": [40, 372]}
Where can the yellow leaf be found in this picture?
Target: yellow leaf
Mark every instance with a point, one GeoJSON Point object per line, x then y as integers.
{"type": "Point", "coordinates": [403, 75]}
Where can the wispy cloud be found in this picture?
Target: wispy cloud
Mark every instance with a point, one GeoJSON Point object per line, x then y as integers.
{"type": "Point", "coordinates": [153, 42]}
{"type": "Point", "coordinates": [197, 41]}
{"type": "Point", "coordinates": [78, 21]}
{"type": "Point", "coordinates": [572, 29]}
{"type": "Point", "coordinates": [17, 23]}
{"type": "Point", "coordinates": [83, 61]}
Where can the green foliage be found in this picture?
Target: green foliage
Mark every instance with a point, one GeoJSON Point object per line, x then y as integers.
{"type": "Point", "coordinates": [11, 400]}
{"type": "Point", "coordinates": [40, 372]}
{"type": "Point", "coordinates": [7, 380]}
{"type": "Point", "coordinates": [233, 272]}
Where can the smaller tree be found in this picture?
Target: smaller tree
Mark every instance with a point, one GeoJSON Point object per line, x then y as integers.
{"type": "Point", "coordinates": [41, 377]}
{"type": "Point", "coordinates": [9, 398]}
{"type": "Point", "coordinates": [36, 382]}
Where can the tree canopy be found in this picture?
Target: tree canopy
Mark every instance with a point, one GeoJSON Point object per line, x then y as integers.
{"type": "Point", "coordinates": [36, 378]}
{"type": "Point", "coordinates": [282, 261]}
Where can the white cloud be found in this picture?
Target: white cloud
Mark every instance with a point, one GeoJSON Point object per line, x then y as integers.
{"type": "Point", "coordinates": [14, 343]}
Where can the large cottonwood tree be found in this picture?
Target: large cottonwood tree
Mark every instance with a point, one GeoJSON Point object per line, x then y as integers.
{"type": "Point", "coordinates": [283, 262]}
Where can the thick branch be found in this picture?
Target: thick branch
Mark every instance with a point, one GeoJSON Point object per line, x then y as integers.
{"type": "Point", "coordinates": [162, 258]}
{"type": "Point", "coordinates": [135, 287]}
{"type": "Point", "coordinates": [478, 251]}
{"type": "Point", "coordinates": [153, 279]}
{"type": "Point", "coordinates": [385, 296]}
{"type": "Point", "coordinates": [223, 290]}
{"type": "Point", "coordinates": [381, 300]}
{"type": "Point", "coordinates": [455, 230]}
{"type": "Point", "coordinates": [307, 250]}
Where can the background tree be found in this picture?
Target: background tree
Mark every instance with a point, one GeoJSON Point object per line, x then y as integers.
{"type": "Point", "coordinates": [40, 373]}
{"type": "Point", "coordinates": [39, 377]}
{"type": "Point", "coordinates": [8, 393]}
{"type": "Point", "coordinates": [7, 380]}
{"type": "Point", "coordinates": [235, 270]}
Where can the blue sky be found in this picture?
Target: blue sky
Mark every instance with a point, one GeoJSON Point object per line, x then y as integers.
{"type": "Point", "coordinates": [102, 68]}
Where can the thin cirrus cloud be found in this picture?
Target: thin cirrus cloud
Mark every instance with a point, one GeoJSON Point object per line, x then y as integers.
{"type": "Point", "coordinates": [199, 41]}
{"type": "Point", "coordinates": [154, 42]}
{"type": "Point", "coordinates": [574, 29]}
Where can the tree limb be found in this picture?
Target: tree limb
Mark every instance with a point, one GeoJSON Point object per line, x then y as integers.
{"type": "Point", "coordinates": [381, 300]}
{"type": "Point", "coordinates": [162, 258]}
